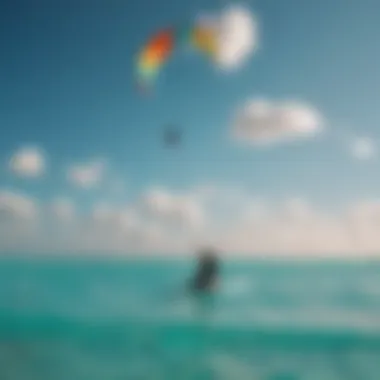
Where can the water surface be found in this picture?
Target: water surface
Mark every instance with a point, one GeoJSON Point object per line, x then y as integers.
{"type": "Point", "coordinates": [113, 319]}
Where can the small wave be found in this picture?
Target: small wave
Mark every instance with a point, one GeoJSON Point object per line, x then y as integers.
{"type": "Point", "coordinates": [228, 367]}
{"type": "Point", "coordinates": [256, 333]}
{"type": "Point", "coordinates": [238, 285]}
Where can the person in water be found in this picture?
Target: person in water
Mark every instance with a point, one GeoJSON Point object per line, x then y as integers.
{"type": "Point", "coordinates": [207, 273]}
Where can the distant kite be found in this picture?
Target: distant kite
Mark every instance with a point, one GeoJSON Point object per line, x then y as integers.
{"type": "Point", "coordinates": [172, 136]}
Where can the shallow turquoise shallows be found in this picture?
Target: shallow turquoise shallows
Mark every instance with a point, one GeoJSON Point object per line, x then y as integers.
{"type": "Point", "coordinates": [113, 319]}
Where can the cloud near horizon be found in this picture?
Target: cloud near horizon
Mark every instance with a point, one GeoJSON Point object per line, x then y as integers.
{"type": "Point", "coordinates": [86, 175]}
{"type": "Point", "coordinates": [173, 209]}
{"type": "Point", "coordinates": [19, 221]}
{"type": "Point", "coordinates": [63, 209]}
{"type": "Point", "coordinates": [164, 222]}
{"type": "Point", "coordinates": [363, 148]}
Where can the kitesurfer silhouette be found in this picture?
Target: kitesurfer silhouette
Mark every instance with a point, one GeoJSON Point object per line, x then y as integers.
{"type": "Point", "coordinates": [207, 272]}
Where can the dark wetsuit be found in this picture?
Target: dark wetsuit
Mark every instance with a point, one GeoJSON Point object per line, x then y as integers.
{"type": "Point", "coordinates": [206, 274]}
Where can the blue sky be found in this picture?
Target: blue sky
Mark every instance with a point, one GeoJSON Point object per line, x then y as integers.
{"type": "Point", "coordinates": [67, 88]}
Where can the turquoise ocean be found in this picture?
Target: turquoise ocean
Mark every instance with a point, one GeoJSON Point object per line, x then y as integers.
{"type": "Point", "coordinates": [88, 318]}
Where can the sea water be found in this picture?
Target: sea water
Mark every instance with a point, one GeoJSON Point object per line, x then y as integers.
{"type": "Point", "coordinates": [114, 319]}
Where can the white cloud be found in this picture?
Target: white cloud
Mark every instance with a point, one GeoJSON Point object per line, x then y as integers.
{"type": "Point", "coordinates": [17, 206]}
{"type": "Point", "coordinates": [363, 148]}
{"type": "Point", "coordinates": [28, 162]}
{"type": "Point", "coordinates": [86, 175]}
{"type": "Point", "coordinates": [173, 208]}
{"type": "Point", "coordinates": [284, 234]}
{"type": "Point", "coordinates": [297, 209]}
{"type": "Point", "coordinates": [162, 221]}
{"type": "Point", "coordinates": [119, 219]}
{"type": "Point", "coordinates": [236, 33]}
{"type": "Point", "coordinates": [116, 228]}
{"type": "Point", "coordinates": [263, 122]}
{"type": "Point", "coordinates": [63, 209]}
{"type": "Point", "coordinates": [19, 221]}
{"type": "Point", "coordinates": [103, 212]}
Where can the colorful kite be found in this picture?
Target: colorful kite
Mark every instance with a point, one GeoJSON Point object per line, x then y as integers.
{"type": "Point", "coordinates": [153, 55]}
{"type": "Point", "coordinates": [156, 52]}
{"type": "Point", "coordinates": [204, 40]}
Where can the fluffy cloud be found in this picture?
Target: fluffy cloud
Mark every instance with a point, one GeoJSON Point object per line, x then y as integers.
{"type": "Point", "coordinates": [120, 219]}
{"type": "Point", "coordinates": [263, 122]}
{"type": "Point", "coordinates": [236, 33]}
{"type": "Point", "coordinates": [86, 175]}
{"type": "Point", "coordinates": [159, 221]}
{"type": "Point", "coordinates": [173, 208]}
{"type": "Point", "coordinates": [63, 209]}
{"type": "Point", "coordinates": [108, 228]}
{"type": "Point", "coordinates": [27, 162]}
{"type": "Point", "coordinates": [17, 206]}
{"type": "Point", "coordinates": [287, 230]}
{"type": "Point", "coordinates": [128, 228]}
{"type": "Point", "coordinates": [297, 209]}
{"type": "Point", "coordinates": [363, 148]}
{"type": "Point", "coordinates": [162, 221]}
{"type": "Point", "coordinates": [19, 221]}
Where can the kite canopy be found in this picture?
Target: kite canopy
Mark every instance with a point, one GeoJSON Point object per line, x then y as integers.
{"type": "Point", "coordinates": [204, 40]}
{"type": "Point", "coordinates": [172, 136]}
{"type": "Point", "coordinates": [153, 55]}
{"type": "Point", "coordinates": [159, 48]}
